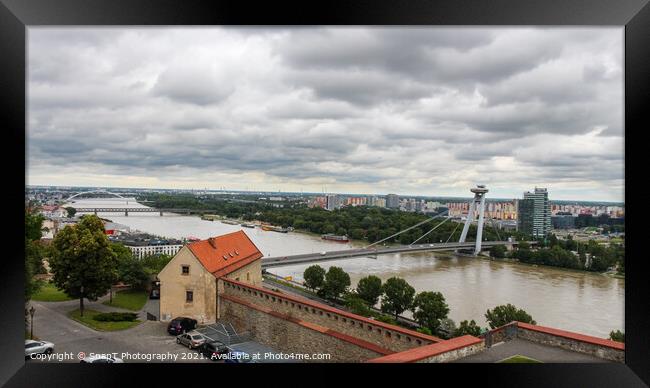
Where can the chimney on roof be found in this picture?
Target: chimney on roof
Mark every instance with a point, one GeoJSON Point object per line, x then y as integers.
{"type": "Point", "coordinates": [213, 242]}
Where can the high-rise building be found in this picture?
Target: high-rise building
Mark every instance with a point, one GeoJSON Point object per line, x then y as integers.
{"type": "Point", "coordinates": [332, 202]}
{"type": "Point", "coordinates": [534, 213]}
{"type": "Point", "coordinates": [392, 201]}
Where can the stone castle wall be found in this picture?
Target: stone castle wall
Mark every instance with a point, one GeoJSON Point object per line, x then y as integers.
{"type": "Point", "coordinates": [393, 338]}
{"type": "Point", "coordinates": [293, 337]}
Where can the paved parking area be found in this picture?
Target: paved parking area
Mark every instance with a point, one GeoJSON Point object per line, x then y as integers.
{"type": "Point", "coordinates": [147, 342]}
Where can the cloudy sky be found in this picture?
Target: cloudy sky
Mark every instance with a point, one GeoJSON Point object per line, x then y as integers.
{"type": "Point", "coordinates": [420, 111]}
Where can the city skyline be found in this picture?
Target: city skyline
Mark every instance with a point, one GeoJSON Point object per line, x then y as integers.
{"type": "Point", "coordinates": [412, 111]}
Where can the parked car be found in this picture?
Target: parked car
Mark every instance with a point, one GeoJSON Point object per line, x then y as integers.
{"type": "Point", "coordinates": [213, 349]}
{"type": "Point", "coordinates": [154, 294]}
{"type": "Point", "coordinates": [101, 359]}
{"type": "Point", "coordinates": [237, 357]}
{"type": "Point", "coordinates": [38, 347]}
{"type": "Point", "coordinates": [180, 325]}
{"type": "Point", "coordinates": [192, 339]}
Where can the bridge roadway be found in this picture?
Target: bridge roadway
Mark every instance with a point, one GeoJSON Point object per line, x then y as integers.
{"type": "Point", "coordinates": [127, 210]}
{"type": "Point", "coordinates": [278, 261]}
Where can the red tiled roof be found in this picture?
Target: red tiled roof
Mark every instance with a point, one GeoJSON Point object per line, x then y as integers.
{"type": "Point", "coordinates": [422, 352]}
{"type": "Point", "coordinates": [312, 326]}
{"type": "Point", "coordinates": [574, 336]}
{"type": "Point", "coordinates": [224, 254]}
{"type": "Point", "coordinates": [320, 306]}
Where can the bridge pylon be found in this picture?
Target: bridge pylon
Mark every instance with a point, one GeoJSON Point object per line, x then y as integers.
{"type": "Point", "coordinates": [477, 205]}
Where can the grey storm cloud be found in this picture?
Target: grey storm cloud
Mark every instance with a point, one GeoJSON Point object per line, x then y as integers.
{"type": "Point", "coordinates": [401, 109]}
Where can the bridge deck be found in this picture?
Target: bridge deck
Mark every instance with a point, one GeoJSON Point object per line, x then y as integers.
{"type": "Point", "coordinates": [277, 261]}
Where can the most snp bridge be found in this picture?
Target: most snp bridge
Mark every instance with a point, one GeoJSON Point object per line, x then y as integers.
{"type": "Point", "coordinates": [279, 261]}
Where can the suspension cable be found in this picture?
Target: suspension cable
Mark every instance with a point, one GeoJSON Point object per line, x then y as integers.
{"type": "Point", "coordinates": [407, 229]}
{"type": "Point", "coordinates": [495, 228]}
{"type": "Point", "coordinates": [430, 230]}
{"type": "Point", "coordinates": [452, 233]}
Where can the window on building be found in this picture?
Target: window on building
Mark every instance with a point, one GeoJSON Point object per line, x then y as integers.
{"type": "Point", "coordinates": [248, 276]}
{"type": "Point", "coordinates": [185, 269]}
{"type": "Point", "coordinates": [189, 296]}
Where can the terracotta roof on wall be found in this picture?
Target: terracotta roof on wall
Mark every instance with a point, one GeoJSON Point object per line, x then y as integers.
{"type": "Point", "coordinates": [224, 254]}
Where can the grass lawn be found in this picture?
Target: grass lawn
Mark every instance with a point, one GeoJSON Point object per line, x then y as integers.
{"type": "Point", "coordinates": [49, 293]}
{"type": "Point", "coordinates": [519, 359]}
{"type": "Point", "coordinates": [132, 300]}
{"type": "Point", "coordinates": [88, 320]}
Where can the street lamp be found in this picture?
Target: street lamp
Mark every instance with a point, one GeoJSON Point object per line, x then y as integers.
{"type": "Point", "coordinates": [32, 310]}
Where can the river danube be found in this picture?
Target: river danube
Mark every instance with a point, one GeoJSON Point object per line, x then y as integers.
{"type": "Point", "coordinates": [578, 301]}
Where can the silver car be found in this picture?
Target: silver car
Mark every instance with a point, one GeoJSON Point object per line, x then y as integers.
{"type": "Point", "coordinates": [38, 347]}
{"type": "Point", "coordinates": [192, 339]}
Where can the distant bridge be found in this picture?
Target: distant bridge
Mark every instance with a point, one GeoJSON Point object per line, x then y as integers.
{"type": "Point", "coordinates": [95, 192]}
{"type": "Point", "coordinates": [279, 261]}
{"type": "Point", "coordinates": [127, 210]}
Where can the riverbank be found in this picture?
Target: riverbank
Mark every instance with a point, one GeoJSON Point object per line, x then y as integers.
{"type": "Point", "coordinates": [515, 261]}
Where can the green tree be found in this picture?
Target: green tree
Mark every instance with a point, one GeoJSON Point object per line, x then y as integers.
{"type": "Point", "coordinates": [336, 282]}
{"type": "Point", "coordinates": [34, 251]}
{"type": "Point", "coordinates": [369, 289]}
{"type": "Point", "coordinates": [82, 262]}
{"type": "Point", "coordinates": [153, 264]}
{"type": "Point", "coordinates": [129, 269]}
{"type": "Point", "coordinates": [617, 335]}
{"type": "Point", "coordinates": [504, 314]}
{"type": "Point", "coordinates": [429, 308]}
{"type": "Point", "coordinates": [398, 296]}
{"type": "Point", "coordinates": [314, 277]}
{"type": "Point", "coordinates": [498, 251]}
{"type": "Point", "coordinates": [356, 305]}
{"type": "Point", "coordinates": [71, 211]}
{"type": "Point", "coordinates": [465, 328]}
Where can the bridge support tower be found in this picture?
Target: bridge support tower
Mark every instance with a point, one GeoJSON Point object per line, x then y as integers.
{"type": "Point", "coordinates": [476, 206]}
{"type": "Point", "coordinates": [126, 213]}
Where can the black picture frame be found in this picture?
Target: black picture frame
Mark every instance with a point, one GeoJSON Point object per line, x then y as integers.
{"type": "Point", "coordinates": [17, 15]}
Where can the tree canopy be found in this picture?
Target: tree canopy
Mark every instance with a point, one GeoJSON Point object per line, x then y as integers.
{"type": "Point", "coordinates": [369, 289]}
{"type": "Point", "coordinates": [398, 296]}
{"type": "Point", "coordinates": [314, 277]}
{"type": "Point", "coordinates": [34, 251]}
{"type": "Point", "coordinates": [83, 263]}
{"type": "Point", "coordinates": [504, 314]}
{"type": "Point", "coordinates": [429, 308]}
{"type": "Point", "coordinates": [336, 282]}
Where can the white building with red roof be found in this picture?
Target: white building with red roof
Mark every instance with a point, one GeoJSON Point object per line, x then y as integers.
{"type": "Point", "coordinates": [189, 283]}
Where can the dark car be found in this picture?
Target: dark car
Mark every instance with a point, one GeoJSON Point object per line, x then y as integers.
{"type": "Point", "coordinates": [154, 294]}
{"type": "Point", "coordinates": [213, 349]}
{"type": "Point", "coordinates": [180, 325]}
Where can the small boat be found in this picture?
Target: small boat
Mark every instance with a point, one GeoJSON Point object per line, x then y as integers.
{"type": "Point", "coordinates": [229, 222]}
{"type": "Point", "coordinates": [246, 225]}
{"type": "Point", "coordinates": [333, 237]}
{"type": "Point", "coordinates": [279, 229]}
